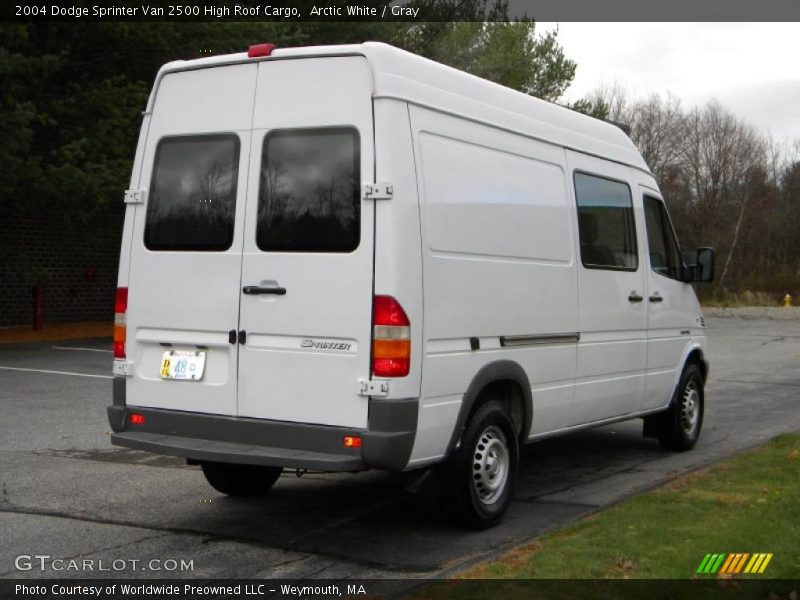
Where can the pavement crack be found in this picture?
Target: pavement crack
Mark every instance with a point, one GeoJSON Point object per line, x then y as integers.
{"type": "Point", "coordinates": [374, 508]}
{"type": "Point", "coordinates": [67, 559]}
{"type": "Point", "coordinates": [317, 572]}
{"type": "Point", "coordinates": [288, 547]}
{"type": "Point", "coordinates": [258, 573]}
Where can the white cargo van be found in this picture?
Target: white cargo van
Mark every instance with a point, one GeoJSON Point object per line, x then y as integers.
{"type": "Point", "coordinates": [349, 257]}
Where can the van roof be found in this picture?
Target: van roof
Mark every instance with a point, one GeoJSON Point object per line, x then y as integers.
{"type": "Point", "coordinates": [411, 78]}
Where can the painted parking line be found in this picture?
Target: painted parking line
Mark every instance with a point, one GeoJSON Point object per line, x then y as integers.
{"type": "Point", "coordinates": [56, 372]}
{"type": "Point", "coordinates": [82, 349]}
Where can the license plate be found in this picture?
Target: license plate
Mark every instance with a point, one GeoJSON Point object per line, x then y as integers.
{"type": "Point", "coordinates": [182, 364]}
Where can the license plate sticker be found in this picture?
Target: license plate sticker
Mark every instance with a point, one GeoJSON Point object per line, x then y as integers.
{"type": "Point", "coordinates": [183, 364]}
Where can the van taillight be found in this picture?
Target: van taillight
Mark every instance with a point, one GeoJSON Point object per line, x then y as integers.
{"type": "Point", "coordinates": [120, 308]}
{"type": "Point", "coordinates": [391, 338]}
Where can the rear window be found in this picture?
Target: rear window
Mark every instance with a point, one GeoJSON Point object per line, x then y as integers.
{"type": "Point", "coordinates": [309, 195]}
{"type": "Point", "coordinates": [193, 193]}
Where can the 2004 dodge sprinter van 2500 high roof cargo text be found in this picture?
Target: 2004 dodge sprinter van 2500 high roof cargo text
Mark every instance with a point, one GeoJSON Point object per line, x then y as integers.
{"type": "Point", "coordinates": [350, 257]}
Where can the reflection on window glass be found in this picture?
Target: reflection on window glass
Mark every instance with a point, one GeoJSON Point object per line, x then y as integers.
{"type": "Point", "coordinates": [309, 195]}
{"type": "Point", "coordinates": [664, 252]}
{"type": "Point", "coordinates": [606, 223]}
{"type": "Point", "coordinates": [193, 194]}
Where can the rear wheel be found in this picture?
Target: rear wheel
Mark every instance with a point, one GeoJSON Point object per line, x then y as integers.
{"type": "Point", "coordinates": [481, 473]}
{"type": "Point", "coordinates": [240, 480]}
{"type": "Point", "coordinates": [681, 425]}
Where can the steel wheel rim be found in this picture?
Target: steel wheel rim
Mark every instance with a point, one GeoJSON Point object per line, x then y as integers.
{"type": "Point", "coordinates": [690, 408]}
{"type": "Point", "coordinates": [490, 465]}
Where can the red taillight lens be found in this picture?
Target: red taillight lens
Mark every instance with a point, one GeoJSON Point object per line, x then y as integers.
{"type": "Point", "coordinates": [121, 300]}
{"type": "Point", "coordinates": [258, 50]}
{"type": "Point", "coordinates": [389, 312]}
{"type": "Point", "coordinates": [120, 310]}
{"type": "Point", "coordinates": [391, 367]}
{"type": "Point", "coordinates": [137, 419]}
{"type": "Point", "coordinates": [391, 338]}
{"type": "Point", "coordinates": [352, 441]}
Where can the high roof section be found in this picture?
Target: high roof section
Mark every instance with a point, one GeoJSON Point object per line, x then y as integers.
{"type": "Point", "coordinates": [405, 76]}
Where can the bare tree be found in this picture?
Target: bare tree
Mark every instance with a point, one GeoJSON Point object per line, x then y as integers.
{"type": "Point", "coordinates": [727, 184]}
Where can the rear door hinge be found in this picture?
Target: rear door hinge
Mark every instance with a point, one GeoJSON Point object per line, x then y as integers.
{"type": "Point", "coordinates": [378, 388]}
{"type": "Point", "coordinates": [378, 191]}
{"type": "Point", "coordinates": [123, 368]}
{"type": "Point", "coordinates": [135, 196]}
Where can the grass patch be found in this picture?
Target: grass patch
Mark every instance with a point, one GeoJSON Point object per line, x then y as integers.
{"type": "Point", "coordinates": [746, 298]}
{"type": "Point", "coordinates": [750, 503]}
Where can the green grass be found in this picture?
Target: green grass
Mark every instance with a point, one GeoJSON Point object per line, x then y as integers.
{"type": "Point", "coordinates": [750, 503]}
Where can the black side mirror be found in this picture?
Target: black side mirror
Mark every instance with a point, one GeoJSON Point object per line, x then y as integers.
{"type": "Point", "coordinates": [703, 269]}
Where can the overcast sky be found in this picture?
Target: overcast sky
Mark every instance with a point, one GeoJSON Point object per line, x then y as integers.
{"type": "Point", "coordinates": [751, 68]}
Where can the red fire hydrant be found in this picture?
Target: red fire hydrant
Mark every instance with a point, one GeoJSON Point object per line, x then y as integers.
{"type": "Point", "coordinates": [38, 307]}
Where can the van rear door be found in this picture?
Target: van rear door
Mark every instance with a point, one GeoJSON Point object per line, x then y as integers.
{"type": "Point", "coordinates": [307, 271]}
{"type": "Point", "coordinates": [186, 249]}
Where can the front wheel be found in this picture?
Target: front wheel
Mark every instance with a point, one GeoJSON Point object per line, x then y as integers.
{"type": "Point", "coordinates": [480, 475]}
{"type": "Point", "coordinates": [240, 480]}
{"type": "Point", "coordinates": [684, 419]}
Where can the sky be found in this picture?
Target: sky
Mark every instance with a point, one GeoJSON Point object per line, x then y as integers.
{"type": "Point", "coordinates": [753, 69]}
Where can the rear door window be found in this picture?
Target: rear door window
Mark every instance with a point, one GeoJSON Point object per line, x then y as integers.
{"type": "Point", "coordinates": [193, 193]}
{"type": "Point", "coordinates": [309, 195]}
{"type": "Point", "coordinates": [606, 223]}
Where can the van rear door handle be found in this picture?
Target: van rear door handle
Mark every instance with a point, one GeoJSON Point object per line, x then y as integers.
{"type": "Point", "coordinates": [254, 290]}
{"type": "Point", "coordinates": [634, 297]}
{"type": "Point", "coordinates": [656, 298]}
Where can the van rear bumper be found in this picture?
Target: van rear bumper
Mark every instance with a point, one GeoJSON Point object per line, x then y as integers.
{"type": "Point", "coordinates": [386, 444]}
{"type": "Point", "coordinates": [232, 452]}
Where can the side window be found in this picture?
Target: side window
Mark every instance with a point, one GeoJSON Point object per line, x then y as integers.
{"type": "Point", "coordinates": [665, 257]}
{"type": "Point", "coordinates": [606, 223]}
{"type": "Point", "coordinates": [310, 193]}
{"type": "Point", "coordinates": [193, 193]}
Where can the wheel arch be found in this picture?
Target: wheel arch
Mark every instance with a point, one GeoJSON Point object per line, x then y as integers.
{"type": "Point", "coordinates": [692, 354]}
{"type": "Point", "coordinates": [506, 378]}
{"type": "Point", "coordinates": [696, 355]}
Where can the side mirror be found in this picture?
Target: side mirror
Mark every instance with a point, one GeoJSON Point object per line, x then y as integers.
{"type": "Point", "coordinates": [703, 269]}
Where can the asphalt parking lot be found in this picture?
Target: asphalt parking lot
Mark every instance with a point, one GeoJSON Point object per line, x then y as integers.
{"type": "Point", "coordinates": [67, 493]}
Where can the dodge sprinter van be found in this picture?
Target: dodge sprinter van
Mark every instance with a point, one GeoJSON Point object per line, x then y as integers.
{"type": "Point", "coordinates": [350, 257]}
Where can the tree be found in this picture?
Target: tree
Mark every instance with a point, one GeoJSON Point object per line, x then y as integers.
{"type": "Point", "coordinates": [509, 53]}
{"type": "Point", "coordinates": [72, 96]}
{"type": "Point", "coordinates": [727, 185]}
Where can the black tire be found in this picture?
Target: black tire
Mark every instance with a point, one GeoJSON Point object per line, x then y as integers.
{"type": "Point", "coordinates": [481, 473]}
{"type": "Point", "coordinates": [240, 480]}
{"type": "Point", "coordinates": [681, 424]}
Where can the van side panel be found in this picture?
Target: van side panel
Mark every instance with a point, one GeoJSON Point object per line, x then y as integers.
{"type": "Point", "coordinates": [398, 245]}
{"type": "Point", "coordinates": [498, 264]}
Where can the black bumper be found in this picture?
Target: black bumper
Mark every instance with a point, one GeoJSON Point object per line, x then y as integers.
{"type": "Point", "coordinates": [386, 443]}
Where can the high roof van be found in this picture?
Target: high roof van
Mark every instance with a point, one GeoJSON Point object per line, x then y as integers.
{"type": "Point", "coordinates": [350, 257]}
